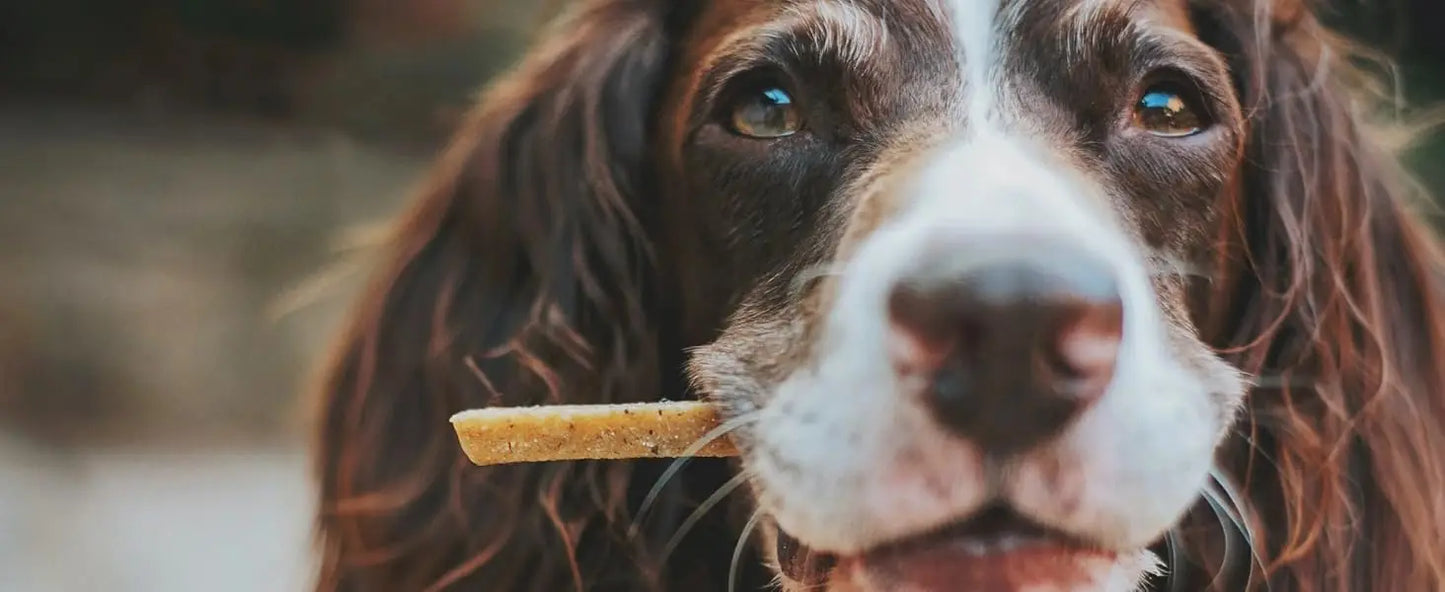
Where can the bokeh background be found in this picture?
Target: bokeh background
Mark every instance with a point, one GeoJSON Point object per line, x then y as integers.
{"type": "Point", "coordinates": [188, 191]}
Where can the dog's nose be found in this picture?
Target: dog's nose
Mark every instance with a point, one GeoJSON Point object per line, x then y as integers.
{"type": "Point", "coordinates": [1012, 351]}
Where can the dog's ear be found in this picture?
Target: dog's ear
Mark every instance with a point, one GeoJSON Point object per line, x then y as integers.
{"type": "Point", "coordinates": [1331, 293]}
{"type": "Point", "coordinates": [520, 276]}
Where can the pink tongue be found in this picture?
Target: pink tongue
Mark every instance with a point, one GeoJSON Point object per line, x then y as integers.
{"type": "Point", "coordinates": [950, 567]}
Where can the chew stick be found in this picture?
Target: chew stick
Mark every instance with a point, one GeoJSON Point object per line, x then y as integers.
{"type": "Point", "coordinates": [505, 435]}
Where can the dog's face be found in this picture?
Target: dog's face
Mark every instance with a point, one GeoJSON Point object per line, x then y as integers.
{"type": "Point", "coordinates": [964, 356]}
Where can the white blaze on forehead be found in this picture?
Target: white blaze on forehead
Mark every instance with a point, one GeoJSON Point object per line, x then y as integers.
{"type": "Point", "coordinates": [975, 26]}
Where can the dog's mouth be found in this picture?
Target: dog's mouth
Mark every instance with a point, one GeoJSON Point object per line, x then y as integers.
{"type": "Point", "coordinates": [996, 549]}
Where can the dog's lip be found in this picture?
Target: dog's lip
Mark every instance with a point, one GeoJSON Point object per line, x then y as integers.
{"type": "Point", "coordinates": [995, 547]}
{"type": "Point", "coordinates": [802, 564]}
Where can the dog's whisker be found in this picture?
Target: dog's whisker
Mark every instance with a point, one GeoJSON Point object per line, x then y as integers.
{"type": "Point", "coordinates": [1216, 506]}
{"type": "Point", "coordinates": [1176, 559]}
{"type": "Point", "coordinates": [813, 273]}
{"type": "Point", "coordinates": [697, 515]}
{"type": "Point", "coordinates": [743, 539]}
{"type": "Point", "coordinates": [1236, 510]}
{"type": "Point", "coordinates": [722, 430]}
{"type": "Point", "coordinates": [1283, 382]}
{"type": "Point", "coordinates": [1161, 265]}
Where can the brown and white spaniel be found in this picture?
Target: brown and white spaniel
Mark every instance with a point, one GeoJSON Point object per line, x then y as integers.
{"type": "Point", "coordinates": [997, 295]}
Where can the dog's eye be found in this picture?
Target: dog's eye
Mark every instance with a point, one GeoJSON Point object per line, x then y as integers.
{"type": "Point", "coordinates": [767, 113]}
{"type": "Point", "coordinates": [1169, 110]}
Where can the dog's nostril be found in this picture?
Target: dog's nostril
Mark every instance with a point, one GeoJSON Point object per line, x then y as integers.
{"type": "Point", "coordinates": [1013, 351]}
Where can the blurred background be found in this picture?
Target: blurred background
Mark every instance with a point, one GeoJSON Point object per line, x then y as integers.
{"type": "Point", "coordinates": [187, 190]}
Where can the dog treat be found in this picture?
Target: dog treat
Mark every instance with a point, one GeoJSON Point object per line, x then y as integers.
{"type": "Point", "coordinates": [505, 435]}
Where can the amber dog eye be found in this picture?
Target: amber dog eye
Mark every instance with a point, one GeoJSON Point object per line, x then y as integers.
{"type": "Point", "coordinates": [766, 113]}
{"type": "Point", "coordinates": [1169, 110]}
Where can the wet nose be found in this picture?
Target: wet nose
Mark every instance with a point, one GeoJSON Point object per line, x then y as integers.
{"type": "Point", "coordinates": [1013, 351]}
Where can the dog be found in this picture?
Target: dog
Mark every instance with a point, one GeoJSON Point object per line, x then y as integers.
{"type": "Point", "coordinates": [1003, 295]}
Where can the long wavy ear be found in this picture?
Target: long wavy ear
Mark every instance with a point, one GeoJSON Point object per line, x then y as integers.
{"type": "Point", "coordinates": [1331, 294]}
{"type": "Point", "coordinates": [521, 276]}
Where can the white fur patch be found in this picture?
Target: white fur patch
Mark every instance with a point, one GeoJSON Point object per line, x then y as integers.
{"type": "Point", "coordinates": [975, 26]}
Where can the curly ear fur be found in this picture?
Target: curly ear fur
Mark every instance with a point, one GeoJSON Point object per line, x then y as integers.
{"type": "Point", "coordinates": [522, 276]}
{"type": "Point", "coordinates": [1331, 294]}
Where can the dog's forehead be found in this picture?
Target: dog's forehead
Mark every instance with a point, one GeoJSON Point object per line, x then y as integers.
{"type": "Point", "coordinates": [977, 34]}
{"type": "Point", "coordinates": [990, 31]}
